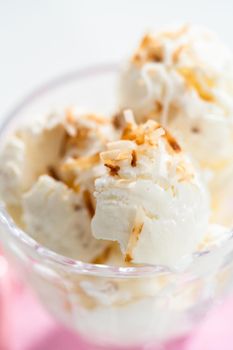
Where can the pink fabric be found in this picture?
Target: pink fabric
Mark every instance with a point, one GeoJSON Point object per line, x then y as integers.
{"type": "Point", "coordinates": [24, 325]}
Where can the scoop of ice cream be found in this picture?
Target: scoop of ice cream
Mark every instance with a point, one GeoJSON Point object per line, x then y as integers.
{"type": "Point", "coordinates": [60, 219]}
{"type": "Point", "coordinates": [183, 78]}
{"type": "Point", "coordinates": [47, 180]}
{"type": "Point", "coordinates": [45, 145]}
{"type": "Point", "coordinates": [150, 199]}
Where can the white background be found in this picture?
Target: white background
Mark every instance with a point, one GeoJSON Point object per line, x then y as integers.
{"type": "Point", "coordinates": [40, 39]}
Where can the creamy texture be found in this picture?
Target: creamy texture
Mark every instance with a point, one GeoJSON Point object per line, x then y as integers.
{"type": "Point", "coordinates": [58, 218]}
{"type": "Point", "coordinates": [151, 196]}
{"type": "Point", "coordinates": [49, 146]}
{"type": "Point", "coordinates": [184, 79]}
{"type": "Point", "coordinates": [27, 155]}
{"type": "Point", "coordinates": [47, 180]}
{"type": "Point", "coordinates": [151, 203]}
{"type": "Point", "coordinates": [163, 298]}
{"type": "Point", "coordinates": [213, 237]}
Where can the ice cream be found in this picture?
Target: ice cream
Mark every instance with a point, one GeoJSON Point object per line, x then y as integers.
{"type": "Point", "coordinates": [151, 195]}
{"type": "Point", "coordinates": [124, 194]}
{"type": "Point", "coordinates": [26, 155]}
{"type": "Point", "coordinates": [58, 218]}
{"type": "Point", "coordinates": [183, 78]}
{"type": "Point", "coordinates": [131, 311]}
{"type": "Point", "coordinates": [48, 178]}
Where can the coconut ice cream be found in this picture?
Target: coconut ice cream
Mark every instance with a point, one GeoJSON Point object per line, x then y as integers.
{"type": "Point", "coordinates": [112, 191]}
{"type": "Point", "coordinates": [151, 195]}
{"type": "Point", "coordinates": [183, 78]}
{"type": "Point", "coordinates": [48, 178]}
{"type": "Point", "coordinates": [58, 218]}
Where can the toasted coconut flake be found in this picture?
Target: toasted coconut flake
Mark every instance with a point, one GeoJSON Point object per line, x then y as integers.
{"type": "Point", "coordinates": [150, 49]}
{"type": "Point", "coordinates": [122, 145]}
{"type": "Point", "coordinates": [172, 142]}
{"type": "Point", "coordinates": [113, 169]}
{"type": "Point", "coordinates": [114, 155]}
{"type": "Point", "coordinates": [132, 134]}
{"type": "Point", "coordinates": [156, 53]}
{"type": "Point", "coordinates": [142, 135]}
{"type": "Point", "coordinates": [138, 138]}
{"type": "Point", "coordinates": [134, 158]}
{"type": "Point", "coordinates": [82, 163]}
{"type": "Point", "coordinates": [127, 132]}
{"type": "Point", "coordinates": [123, 155]}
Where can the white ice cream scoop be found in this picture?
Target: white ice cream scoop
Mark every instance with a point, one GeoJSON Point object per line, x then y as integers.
{"type": "Point", "coordinates": [150, 200]}
{"type": "Point", "coordinates": [44, 145]}
{"type": "Point", "coordinates": [60, 219]}
{"type": "Point", "coordinates": [47, 174]}
{"type": "Point", "coordinates": [183, 78]}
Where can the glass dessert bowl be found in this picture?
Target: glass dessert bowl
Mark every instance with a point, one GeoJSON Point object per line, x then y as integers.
{"type": "Point", "coordinates": [139, 306]}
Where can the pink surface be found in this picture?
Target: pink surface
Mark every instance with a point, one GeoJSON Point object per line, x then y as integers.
{"type": "Point", "coordinates": [24, 325]}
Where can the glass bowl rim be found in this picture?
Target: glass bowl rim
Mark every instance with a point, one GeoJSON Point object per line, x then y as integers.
{"type": "Point", "coordinates": [77, 266]}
